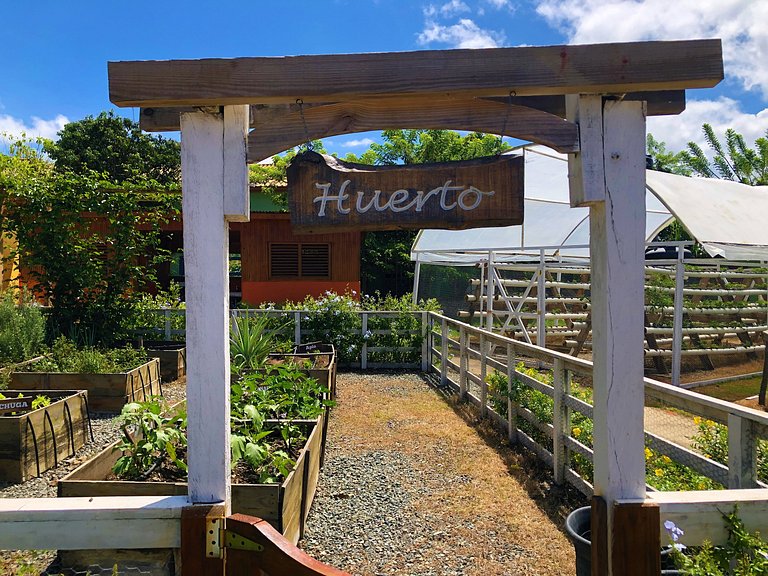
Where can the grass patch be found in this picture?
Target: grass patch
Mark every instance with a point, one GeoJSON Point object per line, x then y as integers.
{"type": "Point", "coordinates": [733, 390]}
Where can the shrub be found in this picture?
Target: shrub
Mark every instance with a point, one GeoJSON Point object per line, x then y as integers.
{"type": "Point", "coordinates": [22, 329]}
{"type": "Point", "coordinates": [67, 357]}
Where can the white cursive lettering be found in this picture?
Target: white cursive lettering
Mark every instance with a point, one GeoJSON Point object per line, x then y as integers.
{"type": "Point", "coordinates": [468, 199]}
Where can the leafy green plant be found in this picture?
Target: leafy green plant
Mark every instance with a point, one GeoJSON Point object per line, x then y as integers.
{"type": "Point", "coordinates": [148, 316]}
{"type": "Point", "coordinates": [151, 441]}
{"type": "Point", "coordinates": [249, 343]}
{"type": "Point", "coordinates": [711, 440]}
{"type": "Point", "coordinates": [65, 356]}
{"type": "Point", "coordinates": [744, 553]}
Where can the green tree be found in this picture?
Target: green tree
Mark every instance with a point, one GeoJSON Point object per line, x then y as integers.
{"type": "Point", "coordinates": [88, 245]}
{"type": "Point", "coordinates": [116, 148]}
{"type": "Point", "coordinates": [386, 265]}
{"type": "Point", "coordinates": [664, 160]}
{"type": "Point", "coordinates": [734, 161]}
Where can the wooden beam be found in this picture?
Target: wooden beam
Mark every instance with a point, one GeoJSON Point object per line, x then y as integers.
{"type": "Point", "coordinates": [91, 523]}
{"type": "Point", "coordinates": [281, 132]}
{"type": "Point", "coordinates": [700, 513]}
{"type": "Point", "coordinates": [201, 527]}
{"type": "Point", "coordinates": [526, 71]}
{"type": "Point", "coordinates": [662, 103]}
{"type": "Point", "coordinates": [636, 539]}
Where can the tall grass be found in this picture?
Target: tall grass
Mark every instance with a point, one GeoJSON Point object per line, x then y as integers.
{"type": "Point", "coordinates": [22, 329]}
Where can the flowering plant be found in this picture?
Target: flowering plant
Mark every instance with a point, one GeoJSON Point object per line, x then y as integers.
{"type": "Point", "coordinates": [744, 553]}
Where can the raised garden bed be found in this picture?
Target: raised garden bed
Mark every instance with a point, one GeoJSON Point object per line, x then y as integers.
{"type": "Point", "coordinates": [34, 440]}
{"type": "Point", "coordinates": [171, 353]}
{"type": "Point", "coordinates": [285, 505]}
{"type": "Point", "coordinates": [106, 392]}
{"type": "Point", "coordinates": [321, 359]}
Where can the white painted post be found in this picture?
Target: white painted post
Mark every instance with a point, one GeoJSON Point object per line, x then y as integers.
{"type": "Point", "coordinates": [463, 362]}
{"type": "Point", "coordinates": [511, 406]}
{"type": "Point", "coordinates": [742, 453]}
{"type": "Point", "coordinates": [443, 352]}
{"type": "Point", "coordinates": [167, 323]}
{"type": "Point", "coordinates": [617, 237]}
{"type": "Point", "coordinates": [213, 148]}
{"type": "Point", "coordinates": [426, 344]}
{"type": "Point", "coordinates": [416, 277]}
{"type": "Point", "coordinates": [483, 374]}
{"type": "Point", "coordinates": [481, 299]}
{"type": "Point", "coordinates": [561, 420]}
{"type": "Point", "coordinates": [297, 328]}
{"type": "Point", "coordinates": [364, 351]}
{"type": "Point", "coordinates": [677, 319]}
{"type": "Point", "coordinates": [541, 302]}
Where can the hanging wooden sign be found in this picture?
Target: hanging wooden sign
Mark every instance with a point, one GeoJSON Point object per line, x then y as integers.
{"type": "Point", "coordinates": [324, 192]}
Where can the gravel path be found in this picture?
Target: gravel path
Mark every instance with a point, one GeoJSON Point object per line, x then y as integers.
{"type": "Point", "coordinates": [410, 487]}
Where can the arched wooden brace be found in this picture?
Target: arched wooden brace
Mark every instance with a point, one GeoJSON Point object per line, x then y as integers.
{"type": "Point", "coordinates": [276, 556]}
{"type": "Point", "coordinates": [278, 131]}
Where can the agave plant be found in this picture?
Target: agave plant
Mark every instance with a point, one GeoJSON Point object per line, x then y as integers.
{"type": "Point", "coordinates": [249, 343]}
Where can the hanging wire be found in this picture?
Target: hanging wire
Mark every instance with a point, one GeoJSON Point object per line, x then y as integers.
{"type": "Point", "coordinates": [504, 127]}
{"type": "Point", "coordinates": [300, 102]}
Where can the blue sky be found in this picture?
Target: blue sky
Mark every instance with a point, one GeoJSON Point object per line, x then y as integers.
{"type": "Point", "coordinates": [54, 63]}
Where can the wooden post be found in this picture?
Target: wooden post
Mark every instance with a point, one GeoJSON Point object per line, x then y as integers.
{"type": "Point", "coordinates": [214, 177]}
{"type": "Point", "coordinates": [463, 362]}
{"type": "Point", "coordinates": [364, 351]}
{"type": "Point", "coordinates": [742, 453]}
{"type": "Point", "coordinates": [297, 328]}
{"type": "Point", "coordinates": [617, 239]}
{"type": "Point", "coordinates": [483, 374]}
{"type": "Point", "coordinates": [511, 406]}
{"type": "Point", "coordinates": [201, 550]}
{"type": "Point", "coordinates": [426, 344]}
{"type": "Point", "coordinates": [561, 420]}
{"type": "Point", "coordinates": [443, 352]}
{"type": "Point", "coordinates": [541, 300]}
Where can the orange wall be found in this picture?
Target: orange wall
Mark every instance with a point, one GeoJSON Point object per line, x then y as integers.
{"type": "Point", "coordinates": [255, 293]}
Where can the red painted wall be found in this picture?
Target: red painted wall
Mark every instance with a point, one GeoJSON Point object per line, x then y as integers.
{"type": "Point", "coordinates": [255, 293]}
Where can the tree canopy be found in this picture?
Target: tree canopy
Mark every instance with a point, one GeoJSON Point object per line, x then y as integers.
{"type": "Point", "coordinates": [116, 148]}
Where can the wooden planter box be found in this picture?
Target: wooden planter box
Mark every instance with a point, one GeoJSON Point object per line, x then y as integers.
{"type": "Point", "coordinates": [323, 358]}
{"type": "Point", "coordinates": [285, 505]}
{"type": "Point", "coordinates": [34, 441]}
{"type": "Point", "coordinates": [172, 356]}
{"type": "Point", "coordinates": [106, 392]}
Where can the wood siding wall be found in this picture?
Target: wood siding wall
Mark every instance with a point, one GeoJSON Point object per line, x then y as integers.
{"type": "Point", "coordinates": [263, 229]}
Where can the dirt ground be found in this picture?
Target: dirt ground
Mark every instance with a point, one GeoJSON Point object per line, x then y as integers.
{"type": "Point", "coordinates": [509, 498]}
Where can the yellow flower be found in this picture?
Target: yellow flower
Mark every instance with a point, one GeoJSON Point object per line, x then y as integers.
{"type": "Point", "coordinates": [659, 472]}
{"type": "Point", "coordinates": [648, 453]}
{"type": "Point", "coordinates": [697, 420]}
{"type": "Point", "coordinates": [577, 432]}
{"type": "Point", "coordinates": [666, 459]}
{"type": "Point", "coordinates": [702, 486]}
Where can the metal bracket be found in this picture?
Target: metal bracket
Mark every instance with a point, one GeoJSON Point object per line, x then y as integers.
{"type": "Point", "coordinates": [237, 542]}
{"type": "Point", "coordinates": [213, 531]}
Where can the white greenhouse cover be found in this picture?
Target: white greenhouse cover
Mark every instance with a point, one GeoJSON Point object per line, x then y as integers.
{"type": "Point", "coordinates": [729, 219]}
{"type": "Point", "coordinates": [550, 222]}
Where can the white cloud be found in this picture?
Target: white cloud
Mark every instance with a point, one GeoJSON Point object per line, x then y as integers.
{"type": "Point", "coordinates": [452, 8]}
{"type": "Point", "coordinates": [356, 143]}
{"type": "Point", "coordinates": [739, 23]}
{"type": "Point", "coordinates": [499, 4]}
{"type": "Point", "coordinates": [15, 127]}
{"type": "Point", "coordinates": [724, 113]}
{"type": "Point", "coordinates": [464, 34]}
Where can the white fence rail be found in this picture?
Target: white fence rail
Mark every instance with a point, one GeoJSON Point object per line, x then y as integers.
{"type": "Point", "coordinates": [464, 357]}
{"type": "Point", "coordinates": [376, 335]}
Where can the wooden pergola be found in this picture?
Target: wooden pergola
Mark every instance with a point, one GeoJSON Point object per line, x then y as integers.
{"type": "Point", "coordinates": [589, 101]}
